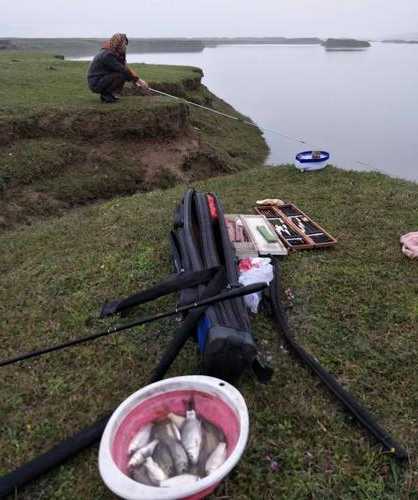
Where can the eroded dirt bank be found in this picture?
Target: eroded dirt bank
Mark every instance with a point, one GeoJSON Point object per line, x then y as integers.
{"type": "Point", "coordinates": [55, 157]}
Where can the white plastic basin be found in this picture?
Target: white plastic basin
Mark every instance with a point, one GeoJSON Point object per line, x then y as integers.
{"type": "Point", "coordinates": [215, 400]}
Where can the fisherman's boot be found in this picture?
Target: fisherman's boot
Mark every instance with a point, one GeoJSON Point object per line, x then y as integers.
{"type": "Point", "coordinates": [107, 98]}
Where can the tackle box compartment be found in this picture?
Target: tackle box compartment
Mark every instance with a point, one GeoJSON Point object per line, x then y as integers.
{"type": "Point", "coordinates": [288, 218]}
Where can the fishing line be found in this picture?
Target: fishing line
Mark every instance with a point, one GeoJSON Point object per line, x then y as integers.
{"type": "Point", "coordinates": [247, 122]}
{"type": "Point", "coordinates": [232, 117]}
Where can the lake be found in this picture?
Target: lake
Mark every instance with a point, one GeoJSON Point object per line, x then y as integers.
{"type": "Point", "coordinates": [361, 106]}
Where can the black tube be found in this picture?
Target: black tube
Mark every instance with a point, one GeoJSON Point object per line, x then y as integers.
{"type": "Point", "coordinates": [73, 445]}
{"type": "Point", "coordinates": [172, 283]}
{"type": "Point", "coordinates": [187, 328]}
{"type": "Point", "coordinates": [362, 415]}
{"type": "Point", "coordinates": [9, 483]}
{"type": "Point", "coordinates": [230, 294]}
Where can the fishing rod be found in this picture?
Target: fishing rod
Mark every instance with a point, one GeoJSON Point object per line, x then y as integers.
{"type": "Point", "coordinates": [361, 414]}
{"type": "Point", "coordinates": [228, 295]}
{"type": "Point", "coordinates": [226, 115]}
{"type": "Point", "coordinates": [245, 122]}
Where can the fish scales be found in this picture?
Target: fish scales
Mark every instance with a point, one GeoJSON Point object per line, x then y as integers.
{"type": "Point", "coordinates": [163, 458]}
{"type": "Point", "coordinates": [140, 439]}
{"type": "Point", "coordinates": [140, 455]}
{"type": "Point", "coordinates": [140, 475]}
{"type": "Point", "coordinates": [191, 436]}
{"type": "Point", "coordinates": [176, 481]}
{"type": "Point", "coordinates": [155, 473]}
{"type": "Point", "coordinates": [216, 459]}
{"type": "Point", "coordinates": [182, 450]}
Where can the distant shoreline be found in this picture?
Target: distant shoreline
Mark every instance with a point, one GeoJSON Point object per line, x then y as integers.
{"type": "Point", "coordinates": [410, 42]}
{"type": "Point", "coordinates": [87, 47]}
{"type": "Point", "coordinates": [79, 47]}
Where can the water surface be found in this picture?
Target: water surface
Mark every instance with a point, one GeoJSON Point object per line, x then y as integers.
{"type": "Point", "coordinates": [361, 106]}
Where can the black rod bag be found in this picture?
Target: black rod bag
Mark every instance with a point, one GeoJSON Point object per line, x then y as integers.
{"type": "Point", "coordinates": [200, 241]}
{"type": "Point", "coordinates": [200, 245]}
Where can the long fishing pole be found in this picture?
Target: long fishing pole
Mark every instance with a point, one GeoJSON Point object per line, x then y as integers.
{"type": "Point", "coordinates": [363, 416]}
{"type": "Point", "coordinates": [245, 122]}
{"type": "Point", "coordinates": [230, 294]}
{"type": "Point", "coordinates": [226, 115]}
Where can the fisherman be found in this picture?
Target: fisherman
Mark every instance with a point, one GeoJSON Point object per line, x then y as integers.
{"type": "Point", "coordinates": [108, 71]}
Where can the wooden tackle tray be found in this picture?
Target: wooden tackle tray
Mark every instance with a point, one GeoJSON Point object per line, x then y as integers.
{"type": "Point", "coordinates": [297, 222]}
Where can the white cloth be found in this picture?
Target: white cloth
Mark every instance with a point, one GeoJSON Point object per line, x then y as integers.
{"type": "Point", "coordinates": [410, 245]}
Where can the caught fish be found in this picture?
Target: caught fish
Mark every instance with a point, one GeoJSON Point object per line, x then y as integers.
{"type": "Point", "coordinates": [195, 470]}
{"type": "Point", "coordinates": [163, 458]}
{"type": "Point", "coordinates": [174, 431]}
{"type": "Point", "coordinates": [140, 475]}
{"type": "Point", "coordinates": [216, 459]}
{"type": "Point", "coordinates": [177, 420]}
{"type": "Point", "coordinates": [166, 430]}
{"type": "Point", "coordinates": [179, 456]}
{"type": "Point", "coordinates": [212, 436]}
{"type": "Point", "coordinates": [142, 454]}
{"type": "Point", "coordinates": [155, 473]}
{"type": "Point", "coordinates": [191, 436]}
{"type": "Point", "coordinates": [140, 439]}
{"type": "Point", "coordinates": [177, 481]}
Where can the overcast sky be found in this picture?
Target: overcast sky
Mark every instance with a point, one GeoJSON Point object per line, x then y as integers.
{"type": "Point", "coordinates": [194, 18]}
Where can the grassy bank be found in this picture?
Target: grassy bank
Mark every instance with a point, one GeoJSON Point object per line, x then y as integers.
{"type": "Point", "coordinates": [60, 147]}
{"type": "Point", "coordinates": [355, 308]}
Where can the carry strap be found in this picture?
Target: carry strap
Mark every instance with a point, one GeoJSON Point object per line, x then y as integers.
{"type": "Point", "coordinates": [348, 401]}
{"type": "Point", "coordinates": [174, 283]}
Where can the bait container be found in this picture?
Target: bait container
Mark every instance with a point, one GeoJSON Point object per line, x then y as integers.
{"type": "Point", "coordinates": [311, 160]}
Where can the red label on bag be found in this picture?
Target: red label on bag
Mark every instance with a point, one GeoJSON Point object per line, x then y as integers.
{"type": "Point", "coordinates": [212, 206]}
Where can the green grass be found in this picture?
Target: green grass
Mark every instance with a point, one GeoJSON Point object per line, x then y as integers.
{"type": "Point", "coordinates": [355, 309]}
{"type": "Point", "coordinates": [60, 147]}
{"type": "Point", "coordinates": [32, 80]}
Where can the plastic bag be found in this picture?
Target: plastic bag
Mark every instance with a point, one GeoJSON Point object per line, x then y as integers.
{"type": "Point", "coordinates": [257, 270]}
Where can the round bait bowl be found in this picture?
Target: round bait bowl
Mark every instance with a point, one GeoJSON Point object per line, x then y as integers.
{"type": "Point", "coordinates": [306, 161]}
{"type": "Point", "coordinates": [214, 400]}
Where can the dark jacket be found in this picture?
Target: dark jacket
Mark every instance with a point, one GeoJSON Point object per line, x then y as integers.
{"type": "Point", "coordinates": [105, 63]}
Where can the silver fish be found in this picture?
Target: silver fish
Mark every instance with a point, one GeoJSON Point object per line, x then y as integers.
{"type": "Point", "coordinates": [174, 431]}
{"type": "Point", "coordinates": [177, 420]}
{"type": "Point", "coordinates": [166, 430]}
{"type": "Point", "coordinates": [140, 439]}
{"type": "Point", "coordinates": [177, 481]}
{"type": "Point", "coordinates": [191, 436]}
{"type": "Point", "coordinates": [195, 470]}
{"type": "Point", "coordinates": [155, 473]}
{"type": "Point", "coordinates": [140, 455]}
{"type": "Point", "coordinates": [216, 459]}
{"type": "Point", "coordinates": [179, 455]}
{"type": "Point", "coordinates": [212, 436]}
{"type": "Point", "coordinates": [163, 458]}
{"type": "Point", "coordinates": [140, 475]}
